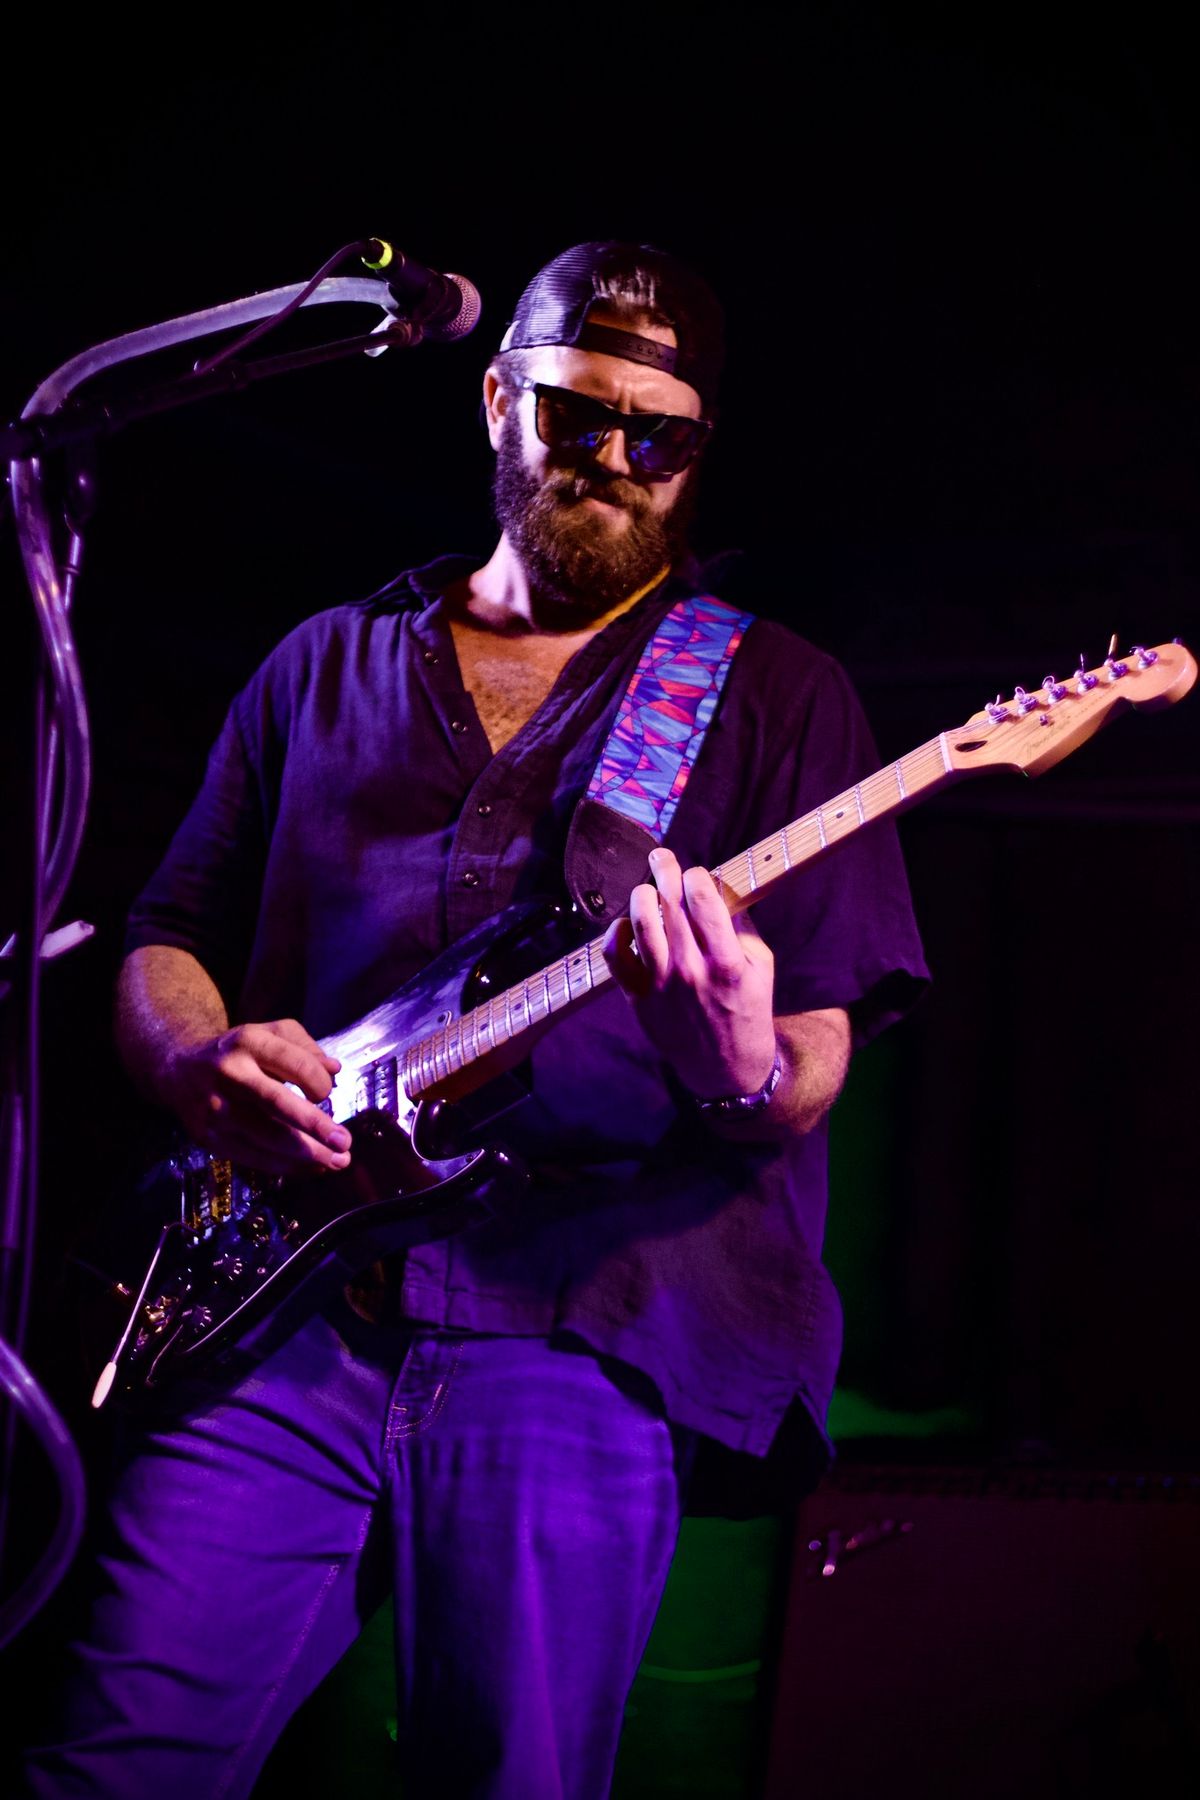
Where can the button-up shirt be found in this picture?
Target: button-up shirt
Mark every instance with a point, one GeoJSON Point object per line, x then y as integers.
{"type": "Point", "coordinates": [353, 823]}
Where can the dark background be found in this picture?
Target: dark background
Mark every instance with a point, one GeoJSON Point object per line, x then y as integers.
{"type": "Point", "coordinates": [958, 448]}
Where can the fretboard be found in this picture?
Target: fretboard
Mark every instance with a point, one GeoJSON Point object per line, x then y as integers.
{"type": "Point", "coordinates": [495, 1027]}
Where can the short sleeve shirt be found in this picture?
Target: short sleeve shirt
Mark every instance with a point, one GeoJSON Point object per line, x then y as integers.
{"type": "Point", "coordinates": [353, 823]}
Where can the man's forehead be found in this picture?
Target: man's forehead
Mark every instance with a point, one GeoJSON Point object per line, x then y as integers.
{"type": "Point", "coordinates": [612, 377]}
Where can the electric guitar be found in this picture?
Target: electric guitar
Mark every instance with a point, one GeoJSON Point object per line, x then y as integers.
{"type": "Point", "coordinates": [239, 1253]}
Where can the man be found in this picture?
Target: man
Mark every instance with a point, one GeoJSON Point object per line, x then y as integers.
{"type": "Point", "coordinates": [500, 1424]}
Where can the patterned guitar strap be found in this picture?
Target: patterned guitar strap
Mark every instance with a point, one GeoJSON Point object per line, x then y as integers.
{"type": "Point", "coordinates": [655, 739]}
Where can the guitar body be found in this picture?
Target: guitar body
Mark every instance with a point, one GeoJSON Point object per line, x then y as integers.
{"type": "Point", "coordinates": [241, 1257]}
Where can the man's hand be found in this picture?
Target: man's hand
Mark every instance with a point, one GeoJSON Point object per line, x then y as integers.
{"type": "Point", "coordinates": [701, 983]}
{"type": "Point", "coordinates": [232, 1089]}
{"type": "Point", "coordinates": [232, 1095]}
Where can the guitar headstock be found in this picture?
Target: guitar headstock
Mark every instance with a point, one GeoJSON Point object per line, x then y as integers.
{"type": "Point", "coordinates": [1037, 727]}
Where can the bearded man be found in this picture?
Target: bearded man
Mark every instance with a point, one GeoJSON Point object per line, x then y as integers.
{"type": "Point", "coordinates": [498, 1424]}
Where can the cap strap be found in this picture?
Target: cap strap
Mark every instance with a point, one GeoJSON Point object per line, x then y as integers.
{"type": "Point", "coordinates": [611, 341]}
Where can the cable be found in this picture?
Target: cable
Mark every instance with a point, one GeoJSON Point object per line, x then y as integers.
{"type": "Point", "coordinates": [56, 1440]}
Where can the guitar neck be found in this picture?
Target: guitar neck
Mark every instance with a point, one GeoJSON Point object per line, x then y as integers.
{"type": "Point", "coordinates": [459, 1056]}
{"type": "Point", "coordinates": [746, 877]}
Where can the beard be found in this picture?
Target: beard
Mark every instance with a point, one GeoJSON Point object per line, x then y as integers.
{"type": "Point", "coordinates": [577, 559]}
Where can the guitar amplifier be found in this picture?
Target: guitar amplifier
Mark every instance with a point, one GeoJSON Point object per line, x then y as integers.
{"type": "Point", "coordinates": [954, 1633]}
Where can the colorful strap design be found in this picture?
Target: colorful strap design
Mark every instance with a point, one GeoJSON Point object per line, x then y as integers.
{"type": "Point", "coordinates": [665, 711]}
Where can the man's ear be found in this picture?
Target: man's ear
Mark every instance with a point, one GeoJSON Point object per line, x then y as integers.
{"type": "Point", "coordinates": [495, 404]}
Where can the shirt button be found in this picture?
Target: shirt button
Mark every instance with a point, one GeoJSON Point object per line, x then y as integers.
{"type": "Point", "coordinates": [457, 725]}
{"type": "Point", "coordinates": [429, 657]}
{"type": "Point", "coordinates": [470, 879]}
{"type": "Point", "coordinates": [483, 809]}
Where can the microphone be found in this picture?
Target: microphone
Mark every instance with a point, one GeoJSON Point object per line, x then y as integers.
{"type": "Point", "coordinates": [444, 307]}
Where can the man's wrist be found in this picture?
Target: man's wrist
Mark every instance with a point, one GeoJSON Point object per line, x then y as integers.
{"type": "Point", "coordinates": [740, 1106]}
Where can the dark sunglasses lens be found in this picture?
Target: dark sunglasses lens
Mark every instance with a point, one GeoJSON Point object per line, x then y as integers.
{"type": "Point", "coordinates": [567, 421]}
{"type": "Point", "coordinates": [666, 446]}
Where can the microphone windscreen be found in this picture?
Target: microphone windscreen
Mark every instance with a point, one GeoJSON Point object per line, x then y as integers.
{"type": "Point", "coordinates": [467, 317]}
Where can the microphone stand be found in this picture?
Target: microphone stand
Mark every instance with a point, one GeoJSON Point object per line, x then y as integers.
{"type": "Point", "coordinates": [54, 421]}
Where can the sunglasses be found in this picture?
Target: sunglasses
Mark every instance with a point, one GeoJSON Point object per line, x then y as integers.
{"type": "Point", "coordinates": [655, 443]}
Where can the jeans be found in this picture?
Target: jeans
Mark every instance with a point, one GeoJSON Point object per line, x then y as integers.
{"type": "Point", "coordinates": [523, 1503]}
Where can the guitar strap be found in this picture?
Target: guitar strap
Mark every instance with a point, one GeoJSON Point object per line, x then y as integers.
{"type": "Point", "coordinates": [650, 752]}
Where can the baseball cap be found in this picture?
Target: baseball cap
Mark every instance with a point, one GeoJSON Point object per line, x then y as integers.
{"type": "Point", "coordinates": [554, 310]}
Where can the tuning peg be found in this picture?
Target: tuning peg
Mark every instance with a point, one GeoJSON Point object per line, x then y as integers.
{"type": "Point", "coordinates": [1053, 690]}
{"type": "Point", "coordinates": [1115, 669]}
{"type": "Point", "coordinates": [996, 709]}
{"type": "Point", "coordinates": [1145, 658]}
{"type": "Point", "coordinates": [1026, 703]}
{"type": "Point", "coordinates": [1084, 683]}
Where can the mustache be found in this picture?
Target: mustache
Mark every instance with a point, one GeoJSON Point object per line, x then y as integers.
{"type": "Point", "coordinates": [570, 485]}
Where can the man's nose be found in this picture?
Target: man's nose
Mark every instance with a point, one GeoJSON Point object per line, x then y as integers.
{"type": "Point", "coordinates": [610, 453]}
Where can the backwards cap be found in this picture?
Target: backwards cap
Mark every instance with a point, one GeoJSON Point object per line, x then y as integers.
{"type": "Point", "coordinates": [554, 308]}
